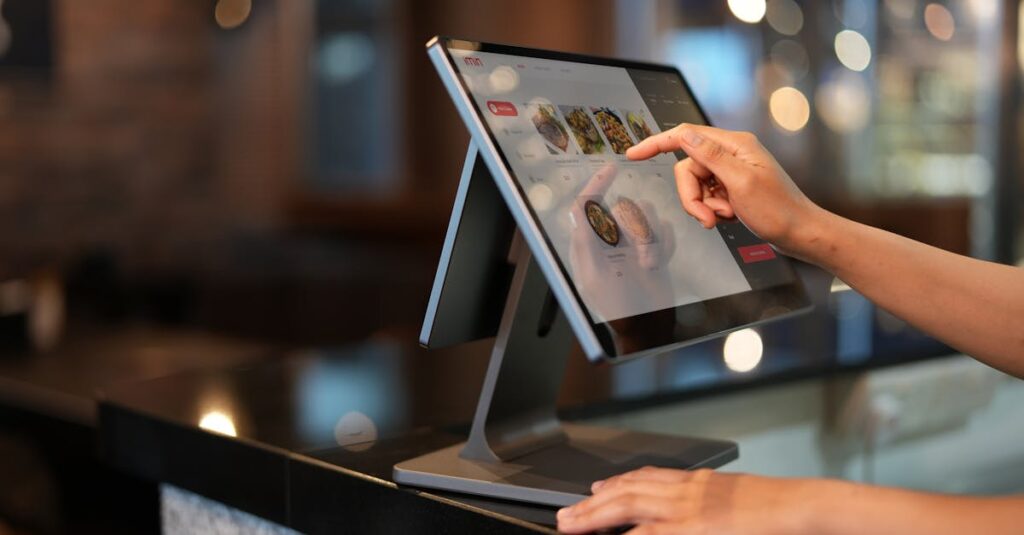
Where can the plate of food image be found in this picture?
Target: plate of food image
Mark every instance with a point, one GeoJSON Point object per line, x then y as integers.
{"type": "Point", "coordinates": [613, 129]}
{"type": "Point", "coordinates": [638, 125]}
{"type": "Point", "coordinates": [545, 120]}
{"type": "Point", "coordinates": [583, 130]}
{"type": "Point", "coordinates": [602, 222]}
{"type": "Point", "coordinates": [633, 221]}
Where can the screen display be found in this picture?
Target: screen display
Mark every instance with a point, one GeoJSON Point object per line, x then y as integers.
{"type": "Point", "coordinates": [616, 226]}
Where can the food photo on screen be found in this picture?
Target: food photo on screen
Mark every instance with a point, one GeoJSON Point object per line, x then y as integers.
{"type": "Point", "coordinates": [602, 222]}
{"type": "Point", "coordinates": [638, 125]}
{"type": "Point", "coordinates": [583, 129]}
{"type": "Point", "coordinates": [633, 221]}
{"type": "Point", "coordinates": [613, 129]}
{"type": "Point", "coordinates": [545, 119]}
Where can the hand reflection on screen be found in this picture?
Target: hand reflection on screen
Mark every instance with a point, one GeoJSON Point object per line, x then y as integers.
{"type": "Point", "coordinates": [619, 248]}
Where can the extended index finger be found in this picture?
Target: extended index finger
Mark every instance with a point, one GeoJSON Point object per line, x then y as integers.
{"type": "Point", "coordinates": [668, 141]}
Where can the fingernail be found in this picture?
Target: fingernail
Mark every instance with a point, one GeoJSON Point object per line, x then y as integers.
{"type": "Point", "coordinates": [565, 512]}
{"type": "Point", "coordinates": [692, 138]}
{"type": "Point", "coordinates": [597, 485]}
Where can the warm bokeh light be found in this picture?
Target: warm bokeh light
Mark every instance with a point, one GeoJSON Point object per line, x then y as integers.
{"type": "Point", "coordinates": [743, 350]}
{"type": "Point", "coordinates": [232, 13]}
{"type": "Point", "coordinates": [844, 103]}
{"type": "Point", "coordinates": [939, 22]}
{"type": "Point", "coordinates": [47, 313]}
{"type": "Point", "coordinates": [749, 11]}
{"type": "Point", "coordinates": [789, 108]}
{"type": "Point", "coordinates": [785, 17]}
{"type": "Point", "coordinates": [218, 422]}
{"type": "Point", "coordinates": [853, 50]}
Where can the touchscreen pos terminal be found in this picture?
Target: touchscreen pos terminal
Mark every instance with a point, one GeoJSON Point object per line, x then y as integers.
{"type": "Point", "coordinates": [555, 234]}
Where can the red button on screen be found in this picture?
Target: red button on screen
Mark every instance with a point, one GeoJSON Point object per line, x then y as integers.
{"type": "Point", "coordinates": [756, 253]}
{"type": "Point", "coordinates": [500, 107]}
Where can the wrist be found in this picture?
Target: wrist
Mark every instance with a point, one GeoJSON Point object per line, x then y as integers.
{"type": "Point", "coordinates": [813, 238]}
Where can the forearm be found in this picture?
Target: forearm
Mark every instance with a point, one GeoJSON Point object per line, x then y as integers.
{"type": "Point", "coordinates": [852, 508]}
{"type": "Point", "coordinates": [974, 306]}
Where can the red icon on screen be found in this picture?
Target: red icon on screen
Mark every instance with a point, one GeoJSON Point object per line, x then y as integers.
{"type": "Point", "coordinates": [502, 108]}
{"type": "Point", "coordinates": [756, 253]}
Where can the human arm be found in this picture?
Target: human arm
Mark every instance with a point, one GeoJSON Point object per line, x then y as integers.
{"type": "Point", "coordinates": [665, 501]}
{"type": "Point", "coordinates": [972, 305]}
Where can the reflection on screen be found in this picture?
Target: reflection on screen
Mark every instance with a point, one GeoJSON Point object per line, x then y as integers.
{"type": "Point", "coordinates": [616, 225]}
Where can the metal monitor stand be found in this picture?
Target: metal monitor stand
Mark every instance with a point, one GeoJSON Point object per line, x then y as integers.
{"type": "Point", "coordinates": [517, 447]}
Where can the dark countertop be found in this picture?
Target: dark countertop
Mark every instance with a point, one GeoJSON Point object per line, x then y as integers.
{"type": "Point", "coordinates": [62, 384]}
{"type": "Point", "coordinates": [291, 416]}
{"type": "Point", "coordinates": [52, 479]}
{"type": "Point", "coordinates": [307, 439]}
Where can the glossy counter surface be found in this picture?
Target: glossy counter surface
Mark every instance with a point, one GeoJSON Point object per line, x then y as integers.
{"type": "Point", "coordinates": [308, 441]}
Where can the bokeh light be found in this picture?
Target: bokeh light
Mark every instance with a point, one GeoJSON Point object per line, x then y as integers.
{"type": "Point", "coordinates": [232, 13]}
{"type": "Point", "coordinates": [939, 22]}
{"type": "Point", "coordinates": [355, 431]}
{"type": "Point", "coordinates": [785, 17]}
{"type": "Point", "coordinates": [345, 56]}
{"type": "Point", "coordinates": [853, 50]}
{"type": "Point", "coordinates": [749, 11]}
{"type": "Point", "coordinates": [218, 422]}
{"type": "Point", "coordinates": [844, 102]}
{"type": "Point", "coordinates": [789, 108]}
{"type": "Point", "coordinates": [743, 350]}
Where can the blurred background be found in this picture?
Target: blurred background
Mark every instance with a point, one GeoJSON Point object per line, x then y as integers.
{"type": "Point", "coordinates": [283, 171]}
{"type": "Point", "coordinates": [185, 184]}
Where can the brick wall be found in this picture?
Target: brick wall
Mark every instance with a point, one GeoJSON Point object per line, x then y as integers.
{"type": "Point", "coordinates": [156, 136]}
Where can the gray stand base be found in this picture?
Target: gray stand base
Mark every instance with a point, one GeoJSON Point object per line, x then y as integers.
{"type": "Point", "coordinates": [561, 474]}
{"type": "Point", "coordinates": [517, 447]}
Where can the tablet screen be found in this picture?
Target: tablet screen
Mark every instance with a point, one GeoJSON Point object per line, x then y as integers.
{"type": "Point", "coordinates": [617, 225]}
